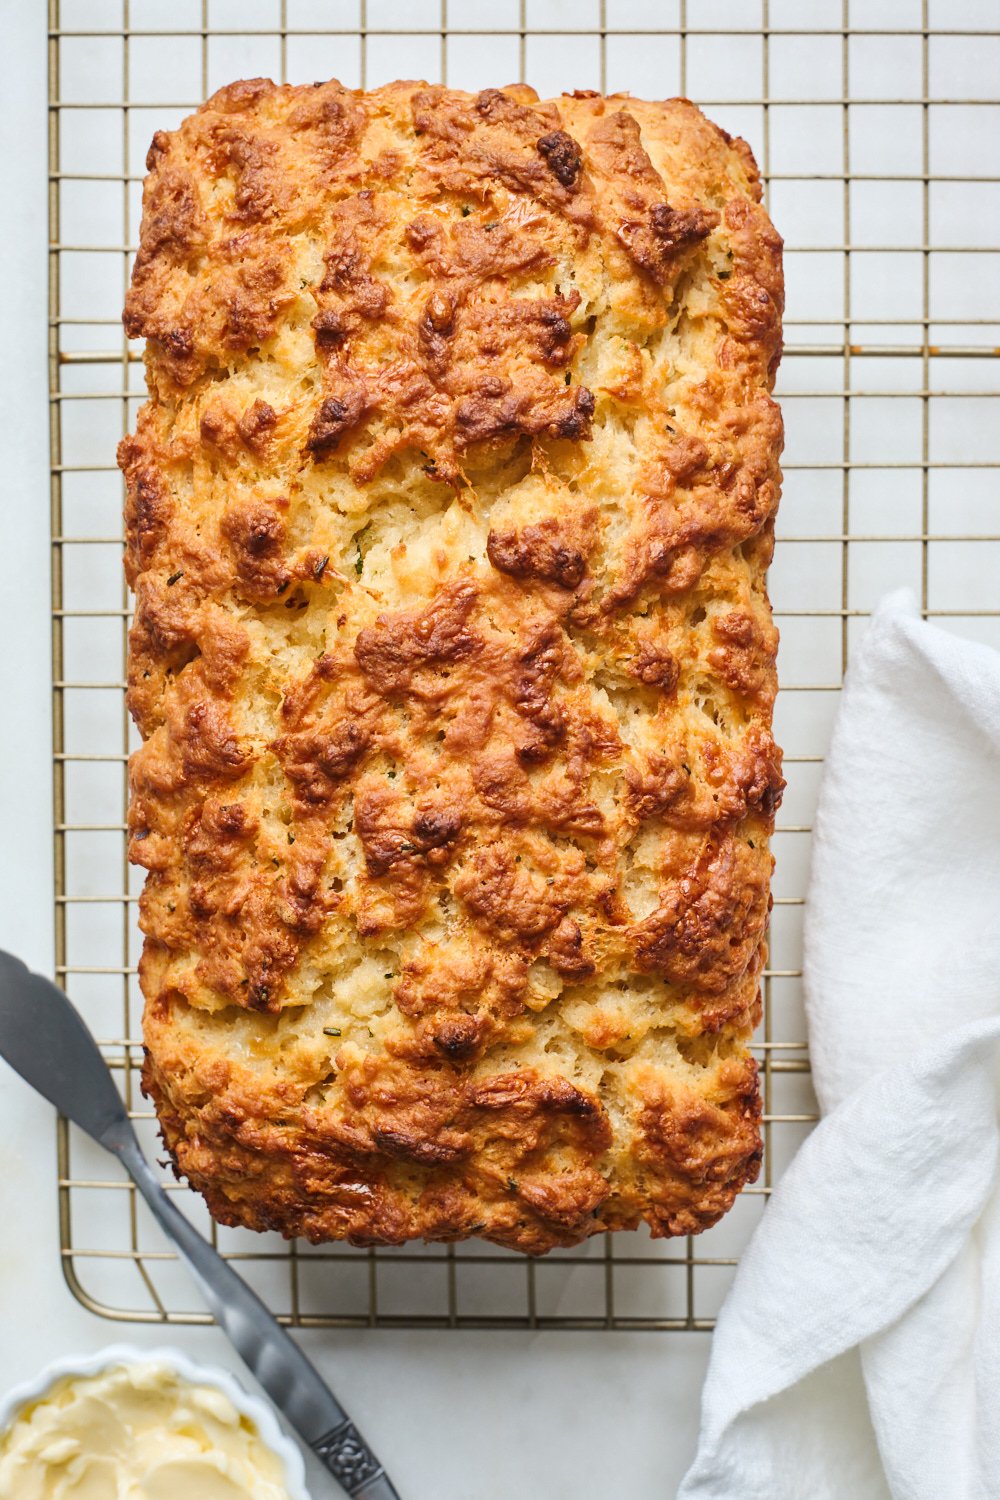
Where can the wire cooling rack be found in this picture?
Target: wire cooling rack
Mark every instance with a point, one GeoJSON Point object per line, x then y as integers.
{"type": "Point", "coordinates": [874, 124]}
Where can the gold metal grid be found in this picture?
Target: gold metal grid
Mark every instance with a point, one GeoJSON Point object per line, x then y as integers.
{"type": "Point", "coordinates": [869, 125]}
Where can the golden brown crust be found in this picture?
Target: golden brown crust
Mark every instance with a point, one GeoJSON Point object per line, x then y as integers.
{"type": "Point", "coordinates": [447, 522]}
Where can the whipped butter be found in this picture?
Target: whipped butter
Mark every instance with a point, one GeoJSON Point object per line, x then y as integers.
{"type": "Point", "coordinates": [140, 1432]}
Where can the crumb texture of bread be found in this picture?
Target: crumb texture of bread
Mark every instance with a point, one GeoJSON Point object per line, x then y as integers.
{"type": "Point", "coordinates": [448, 518]}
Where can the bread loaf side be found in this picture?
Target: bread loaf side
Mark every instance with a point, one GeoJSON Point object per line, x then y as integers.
{"type": "Point", "coordinates": [448, 518]}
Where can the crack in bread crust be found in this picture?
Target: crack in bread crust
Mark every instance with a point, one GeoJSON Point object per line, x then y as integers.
{"type": "Point", "coordinates": [448, 518]}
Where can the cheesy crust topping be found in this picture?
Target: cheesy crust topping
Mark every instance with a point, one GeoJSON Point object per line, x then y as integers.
{"type": "Point", "coordinates": [448, 517]}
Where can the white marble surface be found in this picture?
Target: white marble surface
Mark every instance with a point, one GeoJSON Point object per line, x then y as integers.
{"type": "Point", "coordinates": [455, 1415]}
{"type": "Point", "coordinates": [489, 1416]}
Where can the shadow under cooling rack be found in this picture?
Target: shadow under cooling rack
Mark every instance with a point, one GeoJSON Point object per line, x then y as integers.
{"type": "Point", "coordinates": [873, 124]}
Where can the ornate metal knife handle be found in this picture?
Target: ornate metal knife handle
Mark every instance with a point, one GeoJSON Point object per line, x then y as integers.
{"type": "Point", "coordinates": [353, 1464]}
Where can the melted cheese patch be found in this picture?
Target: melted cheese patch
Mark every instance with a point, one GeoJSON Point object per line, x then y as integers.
{"type": "Point", "coordinates": [136, 1433]}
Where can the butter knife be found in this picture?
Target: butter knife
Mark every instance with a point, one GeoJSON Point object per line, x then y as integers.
{"type": "Point", "coordinates": [44, 1039]}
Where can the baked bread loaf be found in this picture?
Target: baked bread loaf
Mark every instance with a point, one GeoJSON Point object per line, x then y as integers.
{"type": "Point", "coordinates": [448, 518]}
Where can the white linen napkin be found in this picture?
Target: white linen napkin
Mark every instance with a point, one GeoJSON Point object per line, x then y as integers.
{"type": "Point", "coordinates": [875, 1269]}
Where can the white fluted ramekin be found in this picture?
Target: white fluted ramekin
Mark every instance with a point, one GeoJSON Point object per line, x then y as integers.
{"type": "Point", "coordinates": [252, 1407]}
